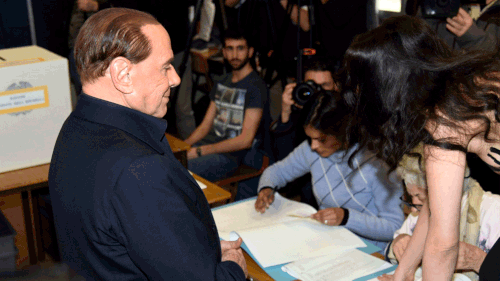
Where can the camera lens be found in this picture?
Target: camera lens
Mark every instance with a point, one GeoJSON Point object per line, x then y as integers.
{"type": "Point", "coordinates": [303, 92]}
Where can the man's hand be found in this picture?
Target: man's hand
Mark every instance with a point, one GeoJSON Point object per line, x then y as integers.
{"type": "Point", "coordinates": [399, 245]}
{"type": "Point", "coordinates": [191, 154]}
{"type": "Point", "coordinates": [231, 251]}
{"type": "Point", "coordinates": [470, 257]}
{"type": "Point", "coordinates": [88, 5]}
{"type": "Point", "coordinates": [330, 216]}
{"type": "Point", "coordinates": [264, 200]}
{"type": "Point", "coordinates": [287, 102]}
{"type": "Point", "coordinates": [460, 23]}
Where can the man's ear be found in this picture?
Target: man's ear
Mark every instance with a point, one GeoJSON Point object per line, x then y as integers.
{"type": "Point", "coordinates": [224, 52]}
{"type": "Point", "coordinates": [119, 70]}
{"type": "Point", "coordinates": [250, 52]}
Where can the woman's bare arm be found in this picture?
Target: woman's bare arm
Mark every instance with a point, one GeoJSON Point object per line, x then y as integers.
{"type": "Point", "coordinates": [445, 174]}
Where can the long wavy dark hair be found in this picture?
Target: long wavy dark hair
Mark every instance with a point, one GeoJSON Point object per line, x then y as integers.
{"type": "Point", "coordinates": [396, 77]}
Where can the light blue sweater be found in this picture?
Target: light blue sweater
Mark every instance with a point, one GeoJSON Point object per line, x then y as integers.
{"type": "Point", "coordinates": [370, 196]}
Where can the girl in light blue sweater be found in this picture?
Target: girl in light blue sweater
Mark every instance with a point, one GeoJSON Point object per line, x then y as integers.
{"type": "Point", "coordinates": [363, 198]}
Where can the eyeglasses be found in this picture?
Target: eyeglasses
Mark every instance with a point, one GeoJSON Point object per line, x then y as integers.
{"type": "Point", "coordinates": [411, 205]}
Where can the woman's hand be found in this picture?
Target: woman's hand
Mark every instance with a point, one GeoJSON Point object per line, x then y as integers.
{"type": "Point", "coordinates": [329, 216]}
{"type": "Point", "coordinates": [264, 200]}
{"type": "Point", "coordinates": [399, 245]}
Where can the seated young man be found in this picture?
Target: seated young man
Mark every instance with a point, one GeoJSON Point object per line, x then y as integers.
{"type": "Point", "coordinates": [362, 198]}
{"type": "Point", "coordinates": [232, 124]}
{"type": "Point", "coordinates": [479, 221]}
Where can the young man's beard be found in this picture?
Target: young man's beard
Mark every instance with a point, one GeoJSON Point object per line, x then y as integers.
{"type": "Point", "coordinates": [240, 66]}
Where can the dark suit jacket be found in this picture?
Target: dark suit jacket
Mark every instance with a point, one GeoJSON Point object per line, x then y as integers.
{"type": "Point", "coordinates": [124, 207]}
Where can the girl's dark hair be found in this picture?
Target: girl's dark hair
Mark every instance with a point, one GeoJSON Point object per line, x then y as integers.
{"type": "Point", "coordinates": [397, 76]}
{"type": "Point", "coordinates": [327, 113]}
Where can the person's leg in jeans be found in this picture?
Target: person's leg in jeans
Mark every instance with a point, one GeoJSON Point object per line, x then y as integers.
{"type": "Point", "coordinates": [248, 188]}
{"type": "Point", "coordinates": [213, 167]}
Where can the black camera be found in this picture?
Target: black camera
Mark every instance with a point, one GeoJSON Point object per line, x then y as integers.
{"type": "Point", "coordinates": [445, 8]}
{"type": "Point", "coordinates": [304, 91]}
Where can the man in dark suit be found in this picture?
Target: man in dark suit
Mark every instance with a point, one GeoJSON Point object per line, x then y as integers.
{"type": "Point", "coordinates": [124, 207]}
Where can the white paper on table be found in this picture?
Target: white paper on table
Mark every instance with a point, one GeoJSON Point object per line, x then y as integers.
{"type": "Point", "coordinates": [243, 216]}
{"type": "Point", "coordinates": [342, 266]}
{"type": "Point", "coordinates": [276, 238]}
{"type": "Point", "coordinates": [202, 185]}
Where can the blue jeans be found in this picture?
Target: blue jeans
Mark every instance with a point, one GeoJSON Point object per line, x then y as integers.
{"type": "Point", "coordinates": [248, 188]}
{"type": "Point", "coordinates": [213, 167]}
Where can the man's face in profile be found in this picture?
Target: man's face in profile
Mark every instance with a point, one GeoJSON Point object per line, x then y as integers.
{"type": "Point", "coordinates": [154, 77]}
{"type": "Point", "coordinates": [237, 53]}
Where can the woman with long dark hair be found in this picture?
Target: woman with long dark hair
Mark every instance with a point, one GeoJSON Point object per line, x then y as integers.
{"type": "Point", "coordinates": [404, 86]}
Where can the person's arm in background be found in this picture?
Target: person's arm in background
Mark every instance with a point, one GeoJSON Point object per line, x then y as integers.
{"type": "Point", "coordinates": [243, 141]}
{"type": "Point", "coordinates": [304, 15]}
{"type": "Point", "coordinates": [206, 125]}
{"type": "Point", "coordinates": [282, 172]}
{"type": "Point", "coordinates": [284, 129]}
{"type": "Point", "coordinates": [470, 257]}
{"type": "Point", "coordinates": [396, 248]}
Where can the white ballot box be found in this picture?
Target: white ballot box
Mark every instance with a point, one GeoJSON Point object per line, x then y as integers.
{"type": "Point", "coordinates": [35, 100]}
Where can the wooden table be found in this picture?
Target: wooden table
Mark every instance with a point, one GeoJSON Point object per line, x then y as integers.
{"type": "Point", "coordinates": [214, 193]}
{"type": "Point", "coordinates": [24, 181]}
{"type": "Point", "coordinates": [179, 148]}
{"type": "Point", "coordinates": [254, 270]}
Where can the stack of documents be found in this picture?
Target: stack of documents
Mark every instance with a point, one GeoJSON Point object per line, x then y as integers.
{"type": "Point", "coordinates": [345, 266]}
{"type": "Point", "coordinates": [284, 233]}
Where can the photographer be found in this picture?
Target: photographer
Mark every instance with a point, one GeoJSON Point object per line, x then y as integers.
{"type": "Point", "coordinates": [474, 27]}
{"type": "Point", "coordinates": [286, 130]}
